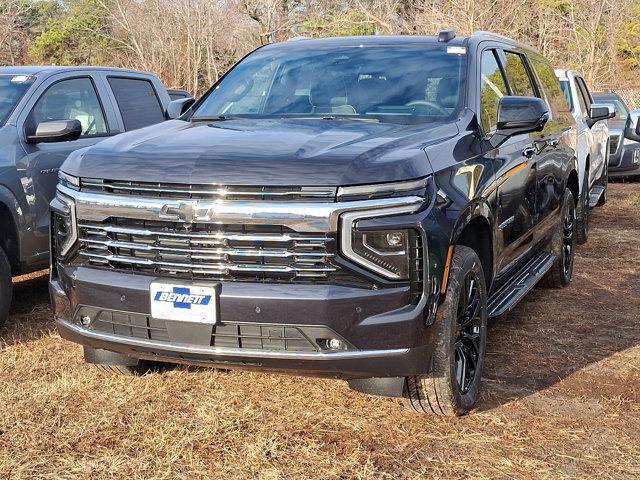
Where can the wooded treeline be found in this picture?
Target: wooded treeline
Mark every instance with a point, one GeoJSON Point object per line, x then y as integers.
{"type": "Point", "coordinates": [189, 43]}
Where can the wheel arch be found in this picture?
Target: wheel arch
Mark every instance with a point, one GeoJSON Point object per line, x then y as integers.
{"type": "Point", "coordinates": [10, 228]}
{"type": "Point", "coordinates": [474, 230]}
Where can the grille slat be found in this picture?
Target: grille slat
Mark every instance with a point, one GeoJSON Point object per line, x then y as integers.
{"type": "Point", "coordinates": [223, 192]}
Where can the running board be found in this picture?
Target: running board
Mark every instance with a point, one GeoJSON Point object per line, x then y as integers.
{"type": "Point", "coordinates": [506, 297]}
{"type": "Point", "coordinates": [594, 195]}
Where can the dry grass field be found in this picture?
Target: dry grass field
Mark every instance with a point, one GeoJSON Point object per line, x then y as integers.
{"type": "Point", "coordinates": [561, 398]}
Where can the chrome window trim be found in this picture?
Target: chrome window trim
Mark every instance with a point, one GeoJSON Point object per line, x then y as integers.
{"type": "Point", "coordinates": [306, 217]}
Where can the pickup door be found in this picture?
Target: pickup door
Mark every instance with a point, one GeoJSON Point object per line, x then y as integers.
{"type": "Point", "coordinates": [105, 105]}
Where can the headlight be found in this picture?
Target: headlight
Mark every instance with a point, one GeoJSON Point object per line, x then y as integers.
{"type": "Point", "coordinates": [387, 252]}
{"type": "Point", "coordinates": [68, 181]}
{"type": "Point", "coordinates": [63, 225]}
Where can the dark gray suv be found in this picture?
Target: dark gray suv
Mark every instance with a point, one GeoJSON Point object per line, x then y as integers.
{"type": "Point", "coordinates": [349, 207]}
{"type": "Point", "coordinates": [45, 114]}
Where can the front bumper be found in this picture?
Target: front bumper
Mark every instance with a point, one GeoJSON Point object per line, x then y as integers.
{"type": "Point", "coordinates": [626, 161]}
{"type": "Point", "coordinates": [384, 336]}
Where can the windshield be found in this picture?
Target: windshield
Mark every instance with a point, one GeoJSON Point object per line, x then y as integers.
{"type": "Point", "coordinates": [400, 84]}
{"type": "Point", "coordinates": [12, 87]}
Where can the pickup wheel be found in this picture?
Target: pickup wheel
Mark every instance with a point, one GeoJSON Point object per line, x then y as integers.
{"type": "Point", "coordinates": [563, 246]}
{"type": "Point", "coordinates": [582, 213]}
{"type": "Point", "coordinates": [6, 287]}
{"type": "Point", "coordinates": [453, 384]}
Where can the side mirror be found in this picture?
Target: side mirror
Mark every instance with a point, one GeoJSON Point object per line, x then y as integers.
{"type": "Point", "coordinates": [518, 115]}
{"type": "Point", "coordinates": [600, 111]}
{"type": "Point", "coordinates": [632, 127]}
{"type": "Point", "coordinates": [178, 107]}
{"type": "Point", "coordinates": [56, 131]}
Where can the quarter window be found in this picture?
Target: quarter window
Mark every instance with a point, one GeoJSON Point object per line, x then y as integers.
{"type": "Point", "coordinates": [517, 75]}
{"type": "Point", "coordinates": [137, 101]}
{"type": "Point", "coordinates": [73, 99]}
{"type": "Point", "coordinates": [492, 89]}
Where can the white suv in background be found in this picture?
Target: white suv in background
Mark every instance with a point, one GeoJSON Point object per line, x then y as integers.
{"type": "Point", "coordinates": [593, 149]}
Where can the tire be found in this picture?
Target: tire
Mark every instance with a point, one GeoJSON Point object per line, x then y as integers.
{"type": "Point", "coordinates": [562, 246]}
{"type": "Point", "coordinates": [440, 392]}
{"type": "Point", "coordinates": [113, 363]}
{"type": "Point", "coordinates": [582, 213]}
{"type": "Point", "coordinates": [6, 287]}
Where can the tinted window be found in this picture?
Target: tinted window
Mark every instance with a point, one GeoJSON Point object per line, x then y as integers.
{"type": "Point", "coordinates": [137, 101]}
{"type": "Point", "coordinates": [400, 84]}
{"type": "Point", "coordinates": [584, 92]}
{"type": "Point", "coordinates": [12, 88]}
{"type": "Point", "coordinates": [584, 108]}
{"type": "Point", "coordinates": [551, 89]}
{"type": "Point", "coordinates": [492, 89]}
{"type": "Point", "coordinates": [73, 99]}
{"type": "Point", "coordinates": [517, 75]}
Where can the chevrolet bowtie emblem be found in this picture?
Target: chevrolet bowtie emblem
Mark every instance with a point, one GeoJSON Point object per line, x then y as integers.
{"type": "Point", "coordinates": [187, 212]}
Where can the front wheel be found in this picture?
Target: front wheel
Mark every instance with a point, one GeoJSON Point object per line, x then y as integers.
{"type": "Point", "coordinates": [563, 246]}
{"type": "Point", "coordinates": [453, 384]}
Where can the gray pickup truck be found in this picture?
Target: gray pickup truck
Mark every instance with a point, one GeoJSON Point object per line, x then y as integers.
{"type": "Point", "coordinates": [45, 114]}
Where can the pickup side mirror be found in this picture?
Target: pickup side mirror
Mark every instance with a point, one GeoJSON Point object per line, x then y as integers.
{"type": "Point", "coordinates": [56, 131]}
{"type": "Point", "coordinates": [632, 127]}
{"type": "Point", "coordinates": [518, 115]}
{"type": "Point", "coordinates": [600, 111]}
{"type": "Point", "coordinates": [178, 107]}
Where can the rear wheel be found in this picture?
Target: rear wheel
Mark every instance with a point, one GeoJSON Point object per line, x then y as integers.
{"type": "Point", "coordinates": [563, 246]}
{"type": "Point", "coordinates": [453, 384]}
{"type": "Point", "coordinates": [6, 287]}
{"type": "Point", "coordinates": [582, 213]}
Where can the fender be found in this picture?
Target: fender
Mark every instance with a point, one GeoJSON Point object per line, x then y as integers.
{"type": "Point", "coordinates": [8, 200]}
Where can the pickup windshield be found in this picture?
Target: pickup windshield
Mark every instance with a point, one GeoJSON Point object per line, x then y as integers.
{"type": "Point", "coordinates": [12, 87]}
{"type": "Point", "coordinates": [396, 84]}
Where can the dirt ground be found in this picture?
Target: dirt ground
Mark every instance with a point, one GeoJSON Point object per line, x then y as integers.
{"type": "Point", "coordinates": [561, 398]}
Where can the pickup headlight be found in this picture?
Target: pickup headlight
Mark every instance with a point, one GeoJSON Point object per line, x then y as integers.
{"type": "Point", "coordinates": [63, 225]}
{"type": "Point", "coordinates": [387, 252]}
{"type": "Point", "coordinates": [68, 181]}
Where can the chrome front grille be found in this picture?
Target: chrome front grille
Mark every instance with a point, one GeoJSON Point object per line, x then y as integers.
{"type": "Point", "coordinates": [208, 251]}
{"type": "Point", "coordinates": [209, 192]}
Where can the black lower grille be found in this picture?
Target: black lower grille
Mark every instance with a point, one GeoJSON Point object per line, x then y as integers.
{"type": "Point", "coordinates": [236, 335]}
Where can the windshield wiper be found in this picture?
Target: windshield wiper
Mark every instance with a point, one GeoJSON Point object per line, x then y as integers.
{"type": "Point", "coordinates": [337, 117]}
{"type": "Point", "coordinates": [212, 118]}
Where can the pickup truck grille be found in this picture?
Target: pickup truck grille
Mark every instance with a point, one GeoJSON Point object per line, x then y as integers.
{"type": "Point", "coordinates": [209, 192]}
{"type": "Point", "coordinates": [208, 251]}
{"type": "Point", "coordinates": [614, 140]}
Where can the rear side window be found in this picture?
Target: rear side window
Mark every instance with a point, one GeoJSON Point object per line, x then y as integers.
{"type": "Point", "coordinates": [551, 89]}
{"type": "Point", "coordinates": [492, 89]}
{"type": "Point", "coordinates": [137, 101]}
{"type": "Point", "coordinates": [517, 75]}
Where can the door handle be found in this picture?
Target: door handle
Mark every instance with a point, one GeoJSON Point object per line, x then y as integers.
{"type": "Point", "coordinates": [554, 142]}
{"type": "Point", "coordinates": [529, 151]}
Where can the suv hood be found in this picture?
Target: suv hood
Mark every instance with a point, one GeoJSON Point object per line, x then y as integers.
{"type": "Point", "coordinates": [264, 152]}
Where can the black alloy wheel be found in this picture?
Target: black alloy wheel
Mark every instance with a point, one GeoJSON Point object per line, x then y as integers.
{"type": "Point", "coordinates": [468, 333]}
